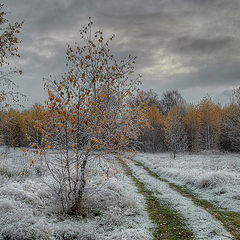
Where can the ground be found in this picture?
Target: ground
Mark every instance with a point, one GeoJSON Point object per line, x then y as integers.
{"type": "Point", "coordinates": [29, 209]}
{"type": "Point", "coordinates": [153, 196]}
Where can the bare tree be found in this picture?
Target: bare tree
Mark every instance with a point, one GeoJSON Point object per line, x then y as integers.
{"type": "Point", "coordinates": [175, 132]}
{"type": "Point", "coordinates": [9, 95]}
{"type": "Point", "coordinates": [231, 123]}
{"type": "Point", "coordinates": [9, 42]}
{"type": "Point", "coordinates": [169, 100]}
{"type": "Point", "coordinates": [231, 128]}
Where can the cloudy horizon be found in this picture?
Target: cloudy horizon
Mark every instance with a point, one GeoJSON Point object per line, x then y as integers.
{"type": "Point", "coordinates": [189, 45]}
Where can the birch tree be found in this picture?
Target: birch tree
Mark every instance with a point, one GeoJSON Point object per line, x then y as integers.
{"type": "Point", "coordinates": [91, 115]}
{"type": "Point", "coordinates": [231, 122]}
{"type": "Point", "coordinates": [209, 125]}
{"type": "Point", "coordinates": [175, 133]}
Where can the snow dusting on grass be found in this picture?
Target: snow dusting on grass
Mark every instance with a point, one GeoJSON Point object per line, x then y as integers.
{"type": "Point", "coordinates": [204, 225]}
{"type": "Point", "coordinates": [28, 208]}
{"type": "Point", "coordinates": [215, 178]}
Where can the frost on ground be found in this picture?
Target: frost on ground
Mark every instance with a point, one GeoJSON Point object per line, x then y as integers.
{"type": "Point", "coordinates": [203, 225]}
{"type": "Point", "coordinates": [214, 177]}
{"type": "Point", "coordinates": [28, 209]}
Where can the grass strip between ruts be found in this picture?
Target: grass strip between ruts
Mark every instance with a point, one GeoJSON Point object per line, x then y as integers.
{"type": "Point", "coordinates": [170, 225]}
{"type": "Point", "coordinates": [229, 219]}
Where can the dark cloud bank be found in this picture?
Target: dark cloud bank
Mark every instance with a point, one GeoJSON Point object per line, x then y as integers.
{"type": "Point", "coordinates": [189, 45]}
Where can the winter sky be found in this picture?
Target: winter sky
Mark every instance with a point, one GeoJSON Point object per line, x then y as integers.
{"type": "Point", "coordinates": [189, 45]}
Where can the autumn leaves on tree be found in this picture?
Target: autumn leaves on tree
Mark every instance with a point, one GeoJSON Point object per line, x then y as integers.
{"type": "Point", "coordinates": [176, 126]}
{"type": "Point", "coordinates": [9, 42]}
{"type": "Point", "coordinates": [90, 112]}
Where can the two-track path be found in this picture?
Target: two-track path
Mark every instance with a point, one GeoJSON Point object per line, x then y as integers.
{"type": "Point", "coordinates": [203, 225]}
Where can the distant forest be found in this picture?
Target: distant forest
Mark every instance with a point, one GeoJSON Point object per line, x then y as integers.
{"type": "Point", "coordinates": [95, 92]}
{"type": "Point", "coordinates": [173, 124]}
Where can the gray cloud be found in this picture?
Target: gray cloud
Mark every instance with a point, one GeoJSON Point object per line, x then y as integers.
{"type": "Point", "coordinates": [218, 75]}
{"type": "Point", "coordinates": [184, 44]}
{"type": "Point", "coordinates": [193, 45]}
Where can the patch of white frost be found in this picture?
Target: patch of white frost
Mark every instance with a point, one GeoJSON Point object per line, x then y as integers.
{"type": "Point", "coordinates": [204, 225]}
{"type": "Point", "coordinates": [28, 209]}
{"type": "Point", "coordinates": [214, 177]}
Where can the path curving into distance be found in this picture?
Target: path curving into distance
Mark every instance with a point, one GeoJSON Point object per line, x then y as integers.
{"type": "Point", "coordinates": [202, 223]}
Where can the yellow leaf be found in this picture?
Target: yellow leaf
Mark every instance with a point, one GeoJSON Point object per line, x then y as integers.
{"type": "Point", "coordinates": [24, 149]}
{"type": "Point", "coordinates": [95, 140]}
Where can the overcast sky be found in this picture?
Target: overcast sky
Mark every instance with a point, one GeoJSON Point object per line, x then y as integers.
{"type": "Point", "coordinates": [189, 45]}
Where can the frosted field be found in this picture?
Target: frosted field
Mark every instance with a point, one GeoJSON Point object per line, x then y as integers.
{"type": "Point", "coordinates": [214, 177]}
{"type": "Point", "coordinates": [203, 225]}
{"type": "Point", "coordinates": [28, 209]}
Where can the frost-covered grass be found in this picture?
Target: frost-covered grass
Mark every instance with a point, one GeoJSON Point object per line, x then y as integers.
{"type": "Point", "coordinates": [169, 223]}
{"type": "Point", "coordinates": [203, 224]}
{"type": "Point", "coordinates": [29, 210]}
{"type": "Point", "coordinates": [214, 177]}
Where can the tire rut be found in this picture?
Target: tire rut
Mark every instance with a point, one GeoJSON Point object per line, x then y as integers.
{"type": "Point", "coordinates": [203, 224]}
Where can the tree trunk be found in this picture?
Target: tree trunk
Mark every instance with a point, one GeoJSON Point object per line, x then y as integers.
{"type": "Point", "coordinates": [78, 204]}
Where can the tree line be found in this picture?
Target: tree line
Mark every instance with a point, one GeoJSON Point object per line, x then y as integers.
{"type": "Point", "coordinates": [173, 124]}
{"type": "Point", "coordinates": [177, 126]}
